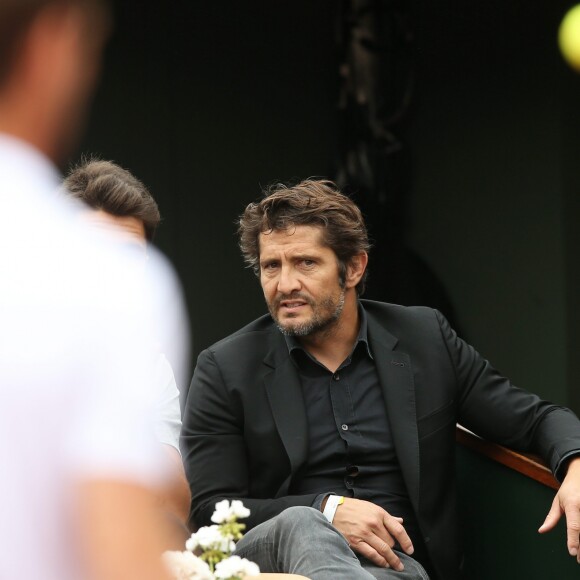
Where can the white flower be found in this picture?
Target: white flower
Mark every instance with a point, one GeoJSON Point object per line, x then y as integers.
{"type": "Point", "coordinates": [185, 566]}
{"type": "Point", "coordinates": [234, 566]}
{"type": "Point", "coordinates": [224, 512]}
{"type": "Point", "coordinates": [192, 543]}
{"type": "Point", "coordinates": [238, 509]}
{"type": "Point", "coordinates": [210, 538]}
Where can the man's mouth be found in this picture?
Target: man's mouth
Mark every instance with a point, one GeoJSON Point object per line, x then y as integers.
{"type": "Point", "coordinates": [292, 305]}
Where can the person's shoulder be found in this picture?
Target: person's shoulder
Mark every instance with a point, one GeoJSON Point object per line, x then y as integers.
{"type": "Point", "coordinates": [414, 323]}
{"type": "Point", "coordinates": [253, 339]}
{"type": "Point", "coordinates": [60, 270]}
{"type": "Point", "coordinates": [396, 312]}
{"type": "Point", "coordinates": [256, 331]}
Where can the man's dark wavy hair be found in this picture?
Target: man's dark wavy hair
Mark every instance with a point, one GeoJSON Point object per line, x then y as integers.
{"type": "Point", "coordinates": [309, 203]}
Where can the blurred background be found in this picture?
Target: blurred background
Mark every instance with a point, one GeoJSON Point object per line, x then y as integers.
{"type": "Point", "coordinates": [455, 125]}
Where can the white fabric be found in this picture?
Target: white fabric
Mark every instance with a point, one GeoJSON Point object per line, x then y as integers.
{"type": "Point", "coordinates": [332, 503]}
{"type": "Point", "coordinates": [76, 367]}
{"type": "Point", "coordinates": [167, 410]}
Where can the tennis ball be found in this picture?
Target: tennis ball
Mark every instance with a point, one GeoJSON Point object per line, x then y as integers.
{"type": "Point", "coordinates": [569, 37]}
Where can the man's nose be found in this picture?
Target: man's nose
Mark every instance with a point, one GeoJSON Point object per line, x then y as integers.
{"type": "Point", "coordinates": [288, 281]}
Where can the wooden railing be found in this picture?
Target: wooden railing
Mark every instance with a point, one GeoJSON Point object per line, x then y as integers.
{"type": "Point", "coordinates": [528, 464]}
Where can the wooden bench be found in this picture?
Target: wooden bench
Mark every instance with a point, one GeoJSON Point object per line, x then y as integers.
{"type": "Point", "coordinates": [527, 464]}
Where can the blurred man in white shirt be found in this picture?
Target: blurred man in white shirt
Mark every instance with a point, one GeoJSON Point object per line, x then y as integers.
{"type": "Point", "coordinates": [81, 469]}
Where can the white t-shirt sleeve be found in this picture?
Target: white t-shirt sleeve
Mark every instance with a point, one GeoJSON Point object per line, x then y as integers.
{"type": "Point", "coordinates": [167, 411]}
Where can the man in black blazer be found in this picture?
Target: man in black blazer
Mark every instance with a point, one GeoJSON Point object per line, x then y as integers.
{"type": "Point", "coordinates": [344, 407]}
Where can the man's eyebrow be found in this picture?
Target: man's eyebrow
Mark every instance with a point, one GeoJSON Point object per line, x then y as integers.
{"type": "Point", "coordinates": [299, 255]}
{"type": "Point", "coordinates": [305, 256]}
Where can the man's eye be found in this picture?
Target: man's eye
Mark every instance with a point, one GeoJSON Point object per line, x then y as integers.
{"type": "Point", "coordinates": [270, 265]}
{"type": "Point", "coordinates": [308, 263]}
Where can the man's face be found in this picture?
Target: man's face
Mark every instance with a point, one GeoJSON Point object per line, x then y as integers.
{"type": "Point", "coordinates": [300, 280]}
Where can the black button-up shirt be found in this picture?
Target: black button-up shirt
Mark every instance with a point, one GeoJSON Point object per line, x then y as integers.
{"type": "Point", "coordinates": [351, 451]}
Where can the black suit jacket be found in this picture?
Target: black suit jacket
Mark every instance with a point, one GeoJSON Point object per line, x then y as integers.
{"type": "Point", "coordinates": [245, 429]}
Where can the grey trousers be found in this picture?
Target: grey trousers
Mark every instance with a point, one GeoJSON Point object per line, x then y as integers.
{"type": "Point", "coordinates": [301, 541]}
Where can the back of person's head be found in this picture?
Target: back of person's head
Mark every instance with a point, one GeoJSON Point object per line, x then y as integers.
{"type": "Point", "coordinates": [50, 60]}
{"type": "Point", "coordinates": [104, 185]}
{"type": "Point", "coordinates": [311, 202]}
{"type": "Point", "coordinates": [16, 16]}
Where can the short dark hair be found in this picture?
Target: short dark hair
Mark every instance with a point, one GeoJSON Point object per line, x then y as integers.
{"type": "Point", "coordinates": [311, 202]}
{"type": "Point", "coordinates": [15, 19]}
{"type": "Point", "coordinates": [107, 186]}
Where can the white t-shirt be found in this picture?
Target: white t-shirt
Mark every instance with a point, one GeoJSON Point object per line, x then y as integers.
{"type": "Point", "coordinates": [78, 347]}
{"type": "Point", "coordinates": [167, 409]}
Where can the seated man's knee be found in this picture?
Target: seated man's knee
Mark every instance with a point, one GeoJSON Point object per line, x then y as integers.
{"type": "Point", "coordinates": [297, 518]}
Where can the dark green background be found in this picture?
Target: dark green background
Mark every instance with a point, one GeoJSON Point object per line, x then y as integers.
{"type": "Point", "coordinates": [501, 511]}
{"type": "Point", "coordinates": [207, 101]}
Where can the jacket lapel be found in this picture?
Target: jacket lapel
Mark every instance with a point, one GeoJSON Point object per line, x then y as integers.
{"type": "Point", "coordinates": [287, 404]}
{"type": "Point", "coordinates": [396, 378]}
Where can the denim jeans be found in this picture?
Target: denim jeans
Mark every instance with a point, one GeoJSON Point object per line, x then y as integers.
{"type": "Point", "coordinates": [301, 541]}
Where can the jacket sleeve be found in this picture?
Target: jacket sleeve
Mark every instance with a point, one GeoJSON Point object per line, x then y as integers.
{"type": "Point", "coordinates": [492, 407]}
{"type": "Point", "coordinates": [214, 451]}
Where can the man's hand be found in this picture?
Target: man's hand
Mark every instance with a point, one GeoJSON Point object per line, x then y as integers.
{"type": "Point", "coordinates": [567, 501]}
{"type": "Point", "coordinates": [372, 532]}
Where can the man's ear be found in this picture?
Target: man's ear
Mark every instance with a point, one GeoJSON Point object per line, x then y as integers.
{"type": "Point", "coordinates": [355, 269]}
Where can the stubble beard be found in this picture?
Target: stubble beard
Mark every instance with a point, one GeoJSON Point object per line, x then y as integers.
{"type": "Point", "coordinates": [321, 321]}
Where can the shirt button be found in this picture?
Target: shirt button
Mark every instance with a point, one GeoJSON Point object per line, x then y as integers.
{"type": "Point", "coordinates": [352, 470]}
{"type": "Point", "coordinates": [344, 427]}
{"type": "Point", "coordinates": [336, 377]}
{"type": "Point", "coordinates": [349, 482]}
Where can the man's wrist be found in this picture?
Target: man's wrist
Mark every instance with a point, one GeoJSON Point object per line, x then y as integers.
{"type": "Point", "coordinates": [561, 469]}
{"type": "Point", "coordinates": [330, 504]}
{"type": "Point", "coordinates": [573, 464]}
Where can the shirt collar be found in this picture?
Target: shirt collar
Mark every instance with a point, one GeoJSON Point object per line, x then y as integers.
{"type": "Point", "coordinates": [293, 344]}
